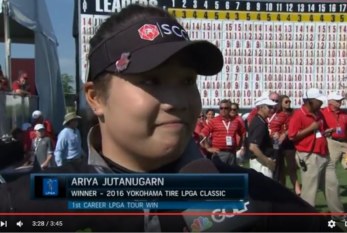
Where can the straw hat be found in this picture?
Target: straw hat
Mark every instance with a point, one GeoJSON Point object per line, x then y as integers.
{"type": "Point", "coordinates": [70, 116]}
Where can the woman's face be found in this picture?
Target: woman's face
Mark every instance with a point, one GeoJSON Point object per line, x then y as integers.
{"type": "Point", "coordinates": [210, 115]}
{"type": "Point", "coordinates": [233, 110]}
{"type": "Point", "coordinates": [286, 103]}
{"type": "Point", "coordinates": [148, 119]}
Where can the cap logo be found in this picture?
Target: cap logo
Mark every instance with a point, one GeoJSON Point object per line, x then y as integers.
{"type": "Point", "coordinates": [148, 32]}
{"type": "Point", "coordinates": [123, 62]}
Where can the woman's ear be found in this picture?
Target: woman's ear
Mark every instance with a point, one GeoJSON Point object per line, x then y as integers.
{"type": "Point", "coordinates": [95, 102]}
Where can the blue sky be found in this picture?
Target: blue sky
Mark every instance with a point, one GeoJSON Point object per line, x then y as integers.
{"type": "Point", "coordinates": [61, 13]}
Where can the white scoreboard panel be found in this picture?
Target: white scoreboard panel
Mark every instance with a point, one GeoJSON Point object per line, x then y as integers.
{"type": "Point", "coordinates": [283, 46]}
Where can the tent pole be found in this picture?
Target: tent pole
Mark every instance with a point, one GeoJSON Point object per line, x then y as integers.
{"type": "Point", "coordinates": [7, 41]}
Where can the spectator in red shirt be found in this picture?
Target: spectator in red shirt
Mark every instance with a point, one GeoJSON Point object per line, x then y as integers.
{"type": "Point", "coordinates": [273, 96]}
{"type": "Point", "coordinates": [278, 126]}
{"type": "Point", "coordinates": [210, 113]}
{"type": "Point", "coordinates": [307, 129]}
{"type": "Point", "coordinates": [202, 122]}
{"type": "Point", "coordinates": [337, 144]}
{"type": "Point", "coordinates": [21, 85]}
{"type": "Point", "coordinates": [222, 130]}
{"type": "Point", "coordinates": [37, 118]}
{"type": "Point", "coordinates": [240, 135]}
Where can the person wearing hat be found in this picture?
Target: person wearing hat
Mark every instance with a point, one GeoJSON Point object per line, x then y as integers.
{"type": "Point", "coordinates": [42, 149]}
{"type": "Point", "coordinates": [336, 119]}
{"type": "Point", "coordinates": [69, 144]}
{"type": "Point", "coordinates": [308, 130]}
{"type": "Point", "coordinates": [37, 118]}
{"type": "Point", "coordinates": [142, 89]}
{"type": "Point", "coordinates": [271, 95]}
{"type": "Point", "coordinates": [260, 143]}
{"type": "Point", "coordinates": [21, 85]}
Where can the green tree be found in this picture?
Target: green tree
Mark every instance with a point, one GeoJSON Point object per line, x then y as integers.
{"type": "Point", "coordinates": [67, 80]}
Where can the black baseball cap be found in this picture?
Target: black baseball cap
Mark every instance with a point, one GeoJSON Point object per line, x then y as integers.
{"type": "Point", "coordinates": [147, 44]}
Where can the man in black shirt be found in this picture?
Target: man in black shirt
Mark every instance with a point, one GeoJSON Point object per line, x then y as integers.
{"type": "Point", "coordinates": [260, 143]}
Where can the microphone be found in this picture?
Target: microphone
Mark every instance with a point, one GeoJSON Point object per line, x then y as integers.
{"type": "Point", "coordinates": [213, 222]}
{"type": "Point", "coordinates": [185, 223]}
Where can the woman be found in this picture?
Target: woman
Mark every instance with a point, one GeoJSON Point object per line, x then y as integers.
{"type": "Point", "coordinates": [210, 113]}
{"type": "Point", "coordinates": [278, 125]}
{"type": "Point", "coordinates": [203, 120]}
{"type": "Point", "coordinates": [201, 123]}
{"type": "Point", "coordinates": [157, 100]}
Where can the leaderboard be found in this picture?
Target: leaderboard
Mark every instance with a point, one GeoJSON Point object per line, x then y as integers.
{"type": "Point", "coordinates": [283, 46]}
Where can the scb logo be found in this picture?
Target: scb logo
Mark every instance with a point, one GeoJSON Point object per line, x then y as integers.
{"type": "Point", "coordinates": [151, 31]}
{"type": "Point", "coordinates": [219, 215]}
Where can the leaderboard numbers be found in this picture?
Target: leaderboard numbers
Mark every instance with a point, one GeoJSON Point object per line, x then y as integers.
{"type": "Point", "coordinates": [261, 6]}
{"type": "Point", "coordinates": [206, 4]}
{"type": "Point", "coordinates": [88, 27]}
{"type": "Point", "coordinates": [284, 56]}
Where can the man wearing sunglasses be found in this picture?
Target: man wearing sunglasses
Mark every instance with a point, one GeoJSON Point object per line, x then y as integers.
{"type": "Point", "coordinates": [337, 144]}
{"type": "Point", "coordinates": [222, 130]}
{"type": "Point", "coordinates": [260, 143]}
{"type": "Point", "coordinates": [272, 96]}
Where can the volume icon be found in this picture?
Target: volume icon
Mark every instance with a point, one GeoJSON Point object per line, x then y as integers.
{"type": "Point", "coordinates": [19, 223]}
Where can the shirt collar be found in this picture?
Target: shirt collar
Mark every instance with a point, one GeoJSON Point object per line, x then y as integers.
{"type": "Point", "coordinates": [305, 111]}
{"type": "Point", "coordinates": [94, 146]}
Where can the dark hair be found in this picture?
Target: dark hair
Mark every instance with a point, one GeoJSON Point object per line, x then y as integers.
{"type": "Point", "coordinates": [279, 105]}
{"type": "Point", "coordinates": [235, 104]}
{"type": "Point", "coordinates": [225, 101]}
{"type": "Point", "coordinates": [115, 22]}
{"type": "Point", "coordinates": [210, 110]}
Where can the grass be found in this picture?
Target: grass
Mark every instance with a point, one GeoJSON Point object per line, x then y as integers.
{"type": "Point", "coordinates": [320, 199]}
{"type": "Point", "coordinates": [321, 204]}
{"type": "Point", "coordinates": [341, 175]}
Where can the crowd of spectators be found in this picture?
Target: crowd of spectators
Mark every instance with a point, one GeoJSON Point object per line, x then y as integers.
{"type": "Point", "coordinates": [279, 140]}
{"type": "Point", "coordinates": [20, 85]}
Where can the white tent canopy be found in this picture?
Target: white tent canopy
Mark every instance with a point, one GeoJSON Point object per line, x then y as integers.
{"type": "Point", "coordinates": [33, 15]}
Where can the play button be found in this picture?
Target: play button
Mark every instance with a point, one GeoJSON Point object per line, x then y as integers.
{"type": "Point", "coordinates": [3, 223]}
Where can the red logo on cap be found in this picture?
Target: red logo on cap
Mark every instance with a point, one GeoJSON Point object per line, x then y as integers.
{"type": "Point", "coordinates": [148, 32]}
{"type": "Point", "coordinates": [123, 62]}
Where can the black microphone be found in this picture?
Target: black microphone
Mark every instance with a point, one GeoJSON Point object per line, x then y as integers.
{"type": "Point", "coordinates": [199, 166]}
{"type": "Point", "coordinates": [215, 222]}
{"type": "Point", "coordinates": [184, 223]}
